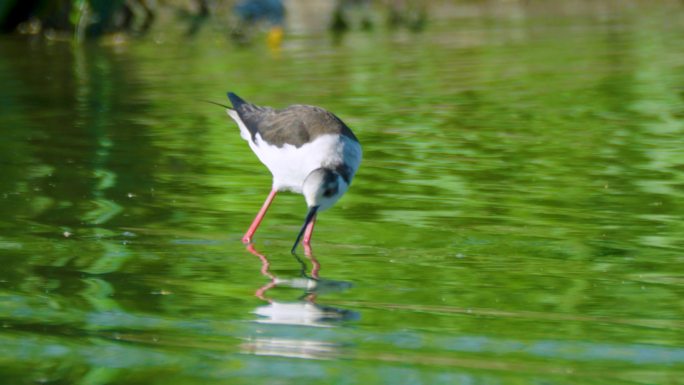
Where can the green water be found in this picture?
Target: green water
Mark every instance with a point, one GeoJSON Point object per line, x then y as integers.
{"type": "Point", "coordinates": [517, 218]}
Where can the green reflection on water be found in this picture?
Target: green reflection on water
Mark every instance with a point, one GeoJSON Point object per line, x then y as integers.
{"type": "Point", "coordinates": [517, 217]}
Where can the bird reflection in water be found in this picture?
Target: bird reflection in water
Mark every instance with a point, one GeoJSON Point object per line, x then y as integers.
{"type": "Point", "coordinates": [305, 310]}
{"type": "Point", "coordinates": [280, 340]}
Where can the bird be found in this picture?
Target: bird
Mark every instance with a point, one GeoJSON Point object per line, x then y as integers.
{"type": "Point", "coordinates": [307, 149]}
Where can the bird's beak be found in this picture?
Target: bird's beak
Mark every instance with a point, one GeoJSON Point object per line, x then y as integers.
{"type": "Point", "coordinates": [309, 217]}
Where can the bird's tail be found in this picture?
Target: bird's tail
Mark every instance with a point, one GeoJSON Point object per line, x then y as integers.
{"type": "Point", "coordinates": [236, 100]}
{"type": "Point", "coordinates": [233, 113]}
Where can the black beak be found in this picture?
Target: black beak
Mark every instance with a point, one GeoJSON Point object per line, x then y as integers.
{"type": "Point", "coordinates": [309, 217]}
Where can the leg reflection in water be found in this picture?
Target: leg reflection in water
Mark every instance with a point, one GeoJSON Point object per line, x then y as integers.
{"type": "Point", "coordinates": [304, 310]}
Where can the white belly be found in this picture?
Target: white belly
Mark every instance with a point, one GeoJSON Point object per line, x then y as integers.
{"type": "Point", "coordinates": [291, 165]}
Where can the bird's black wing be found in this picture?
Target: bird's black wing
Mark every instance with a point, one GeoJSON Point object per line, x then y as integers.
{"type": "Point", "coordinates": [295, 125]}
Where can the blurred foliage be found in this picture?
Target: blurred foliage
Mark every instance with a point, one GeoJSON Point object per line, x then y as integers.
{"type": "Point", "coordinates": [84, 17]}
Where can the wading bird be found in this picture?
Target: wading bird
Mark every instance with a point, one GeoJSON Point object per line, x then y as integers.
{"type": "Point", "coordinates": [308, 150]}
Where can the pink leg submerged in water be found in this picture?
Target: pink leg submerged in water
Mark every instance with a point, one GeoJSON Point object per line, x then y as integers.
{"type": "Point", "coordinates": [315, 266]}
{"type": "Point", "coordinates": [247, 238]}
{"type": "Point", "coordinates": [265, 265]}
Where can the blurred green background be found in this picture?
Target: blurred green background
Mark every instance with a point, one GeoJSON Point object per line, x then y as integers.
{"type": "Point", "coordinates": [517, 218]}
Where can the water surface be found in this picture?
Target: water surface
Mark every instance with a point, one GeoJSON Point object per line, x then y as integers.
{"type": "Point", "coordinates": [517, 217]}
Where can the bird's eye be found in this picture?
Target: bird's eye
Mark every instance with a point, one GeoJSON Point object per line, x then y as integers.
{"type": "Point", "coordinates": [328, 192]}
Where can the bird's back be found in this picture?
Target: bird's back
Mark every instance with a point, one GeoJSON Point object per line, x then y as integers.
{"type": "Point", "coordinates": [296, 125]}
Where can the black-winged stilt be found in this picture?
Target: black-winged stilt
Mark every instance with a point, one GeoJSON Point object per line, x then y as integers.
{"type": "Point", "coordinates": [308, 150]}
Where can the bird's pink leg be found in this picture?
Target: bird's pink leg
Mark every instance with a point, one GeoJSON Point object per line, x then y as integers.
{"type": "Point", "coordinates": [247, 238]}
{"type": "Point", "coordinates": [309, 232]}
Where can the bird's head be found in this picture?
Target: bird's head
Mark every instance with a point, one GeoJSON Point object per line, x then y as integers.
{"type": "Point", "coordinates": [322, 188]}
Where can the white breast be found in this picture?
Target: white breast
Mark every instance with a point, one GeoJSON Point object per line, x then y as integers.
{"type": "Point", "coordinates": [290, 165]}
